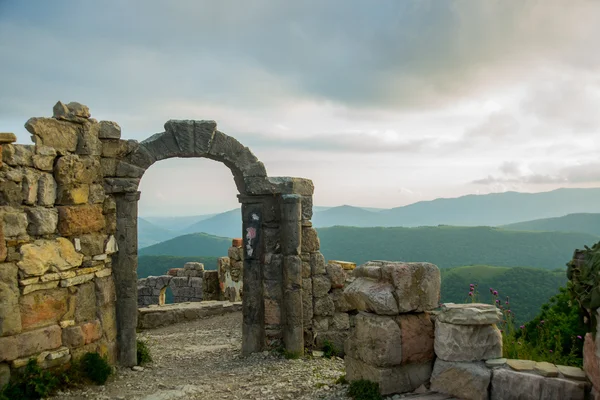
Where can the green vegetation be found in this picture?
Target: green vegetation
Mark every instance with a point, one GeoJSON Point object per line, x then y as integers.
{"type": "Point", "coordinates": [195, 244]}
{"type": "Point", "coordinates": [159, 265]}
{"type": "Point", "coordinates": [364, 390]}
{"type": "Point", "coordinates": [527, 288]}
{"type": "Point", "coordinates": [582, 223]}
{"type": "Point", "coordinates": [291, 355]}
{"type": "Point", "coordinates": [95, 367]}
{"type": "Point", "coordinates": [143, 353]}
{"type": "Point", "coordinates": [449, 246]}
{"type": "Point", "coordinates": [36, 383]}
{"type": "Point", "coordinates": [584, 282]}
{"type": "Point", "coordinates": [329, 350]}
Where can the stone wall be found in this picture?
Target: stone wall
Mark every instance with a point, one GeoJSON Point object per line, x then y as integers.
{"type": "Point", "coordinates": [57, 295]}
{"type": "Point", "coordinates": [231, 272]}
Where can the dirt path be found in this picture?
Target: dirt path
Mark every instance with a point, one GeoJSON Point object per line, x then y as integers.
{"type": "Point", "coordinates": [201, 360]}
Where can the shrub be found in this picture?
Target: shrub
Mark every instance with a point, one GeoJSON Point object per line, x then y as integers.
{"type": "Point", "coordinates": [95, 368]}
{"type": "Point", "coordinates": [329, 350]}
{"type": "Point", "coordinates": [364, 390]}
{"type": "Point", "coordinates": [291, 355]}
{"type": "Point", "coordinates": [33, 383]}
{"type": "Point", "coordinates": [143, 353]}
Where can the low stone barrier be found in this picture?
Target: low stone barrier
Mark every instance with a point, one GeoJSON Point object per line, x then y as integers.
{"type": "Point", "coordinates": [156, 316]}
{"type": "Point", "coordinates": [392, 340]}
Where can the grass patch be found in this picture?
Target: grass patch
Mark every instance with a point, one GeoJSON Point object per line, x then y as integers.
{"type": "Point", "coordinates": [364, 390]}
{"type": "Point", "coordinates": [291, 355]}
{"type": "Point", "coordinates": [329, 350]}
{"type": "Point", "coordinates": [143, 353]}
{"type": "Point", "coordinates": [36, 383]}
{"type": "Point", "coordinates": [341, 380]}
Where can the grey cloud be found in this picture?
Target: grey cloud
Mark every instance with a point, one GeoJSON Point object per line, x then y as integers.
{"type": "Point", "coordinates": [395, 55]}
{"type": "Point", "coordinates": [575, 174]}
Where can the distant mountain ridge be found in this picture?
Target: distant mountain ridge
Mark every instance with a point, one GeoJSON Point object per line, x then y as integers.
{"type": "Point", "coordinates": [583, 222]}
{"type": "Point", "coordinates": [496, 209]}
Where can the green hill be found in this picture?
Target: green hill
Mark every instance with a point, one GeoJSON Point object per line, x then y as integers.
{"type": "Point", "coordinates": [583, 223]}
{"type": "Point", "coordinates": [195, 244]}
{"type": "Point", "coordinates": [527, 288]}
{"type": "Point", "coordinates": [449, 246]}
{"type": "Point", "coordinates": [159, 265]}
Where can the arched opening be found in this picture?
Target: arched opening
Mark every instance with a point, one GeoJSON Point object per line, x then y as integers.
{"type": "Point", "coordinates": [198, 139]}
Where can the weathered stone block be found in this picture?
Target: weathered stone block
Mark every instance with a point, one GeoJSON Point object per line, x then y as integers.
{"type": "Point", "coordinates": [46, 195]}
{"type": "Point", "coordinates": [417, 337]}
{"type": "Point", "coordinates": [92, 331]}
{"type": "Point", "coordinates": [8, 348]}
{"type": "Point", "coordinates": [340, 321]}
{"type": "Point", "coordinates": [321, 285]}
{"type": "Point", "coordinates": [109, 322]}
{"type": "Point", "coordinates": [11, 193]}
{"type": "Point", "coordinates": [10, 317]}
{"type": "Point", "coordinates": [375, 340]}
{"type": "Point", "coordinates": [43, 255]}
{"type": "Point", "coordinates": [310, 240]}
{"type": "Point", "coordinates": [92, 243]}
{"type": "Point", "coordinates": [114, 148]}
{"type": "Point", "coordinates": [109, 130]}
{"type": "Point", "coordinates": [18, 154]}
{"type": "Point", "coordinates": [398, 379]}
{"type": "Point", "coordinates": [467, 342]}
{"type": "Point", "coordinates": [469, 314]}
{"type": "Point", "coordinates": [76, 220]}
{"type": "Point", "coordinates": [323, 306]}
{"type": "Point", "coordinates": [4, 375]}
{"type": "Point", "coordinates": [340, 302]}
{"type": "Point", "coordinates": [336, 274]}
{"type": "Point", "coordinates": [43, 308]}
{"type": "Point", "coordinates": [15, 224]}
{"type": "Point", "coordinates": [317, 263]}
{"type": "Point", "coordinates": [509, 385]}
{"type": "Point", "coordinates": [416, 285]}
{"type": "Point", "coordinates": [72, 195]}
{"type": "Point", "coordinates": [464, 380]}
{"type": "Point", "coordinates": [73, 111]}
{"type": "Point", "coordinates": [85, 302]}
{"type": "Point", "coordinates": [72, 336]}
{"type": "Point", "coordinates": [60, 135]}
{"type": "Point", "coordinates": [36, 341]}
{"type": "Point", "coordinates": [365, 294]}
{"type": "Point", "coordinates": [42, 221]}
{"type": "Point", "coordinates": [30, 186]}
{"type": "Point", "coordinates": [72, 170]}
{"type": "Point", "coordinates": [272, 312]}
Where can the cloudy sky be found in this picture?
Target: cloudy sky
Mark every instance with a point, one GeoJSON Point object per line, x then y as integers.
{"type": "Point", "coordinates": [381, 103]}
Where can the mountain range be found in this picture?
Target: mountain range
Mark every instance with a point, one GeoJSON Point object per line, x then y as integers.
{"type": "Point", "coordinates": [508, 209]}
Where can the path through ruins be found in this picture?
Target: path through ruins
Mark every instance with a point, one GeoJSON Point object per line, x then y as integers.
{"type": "Point", "coordinates": [202, 360]}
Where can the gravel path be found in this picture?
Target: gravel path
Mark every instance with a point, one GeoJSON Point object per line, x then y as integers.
{"type": "Point", "coordinates": [201, 360]}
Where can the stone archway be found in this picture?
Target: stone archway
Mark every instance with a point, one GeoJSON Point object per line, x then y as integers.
{"type": "Point", "coordinates": [275, 212]}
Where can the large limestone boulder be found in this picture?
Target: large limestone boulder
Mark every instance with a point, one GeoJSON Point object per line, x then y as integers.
{"type": "Point", "coordinates": [375, 340]}
{"type": "Point", "coordinates": [365, 294]}
{"type": "Point", "coordinates": [469, 314]}
{"type": "Point", "coordinates": [417, 331]}
{"type": "Point", "coordinates": [464, 380]}
{"type": "Point", "coordinates": [414, 287]}
{"type": "Point", "coordinates": [467, 342]}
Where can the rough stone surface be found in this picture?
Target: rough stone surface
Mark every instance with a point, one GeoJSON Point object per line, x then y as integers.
{"type": "Point", "coordinates": [546, 369]}
{"type": "Point", "coordinates": [42, 221]}
{"type": "Point", "coordinates": [60, 135]}
{"type": "Point", "coordinates": [38, 340]}
{"type": "Point", "coordinates": [43, 308]}
{"type": "Point", "coordinates": [464, 380]}
{"type": "Point", "coordinates": [10, 317]}
{"type": "Point", "coordinates": [375, 340]}
{"type": "Point", "coordinates": [521, 365]}
{"type": "Point", "coordinates": [417, 331]}
{"type": "Point", "coordinates": [467, 342]}
{"type": "Point", "coordinates": [416, 285]}
{"type": "Point", "coordinates": [590, 361]}
{"type": "Point", "coordinates": [374, 296]}
{"type": "Point", "coordinates": [76, 220]}
{"type": "Point", "coordinates": [509, 385]}
{"type": "Point", "coordinates": [399, 379]}
{"type": "Point", "coordinates": [48, 255]}
{"type": "Point", "coordinates": [572, 372]}
{"type": "Point", "coordinates": [469, 314]}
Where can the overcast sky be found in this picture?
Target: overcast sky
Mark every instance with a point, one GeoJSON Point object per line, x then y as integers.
{"type": "Point", "coordinates": [380, 103]}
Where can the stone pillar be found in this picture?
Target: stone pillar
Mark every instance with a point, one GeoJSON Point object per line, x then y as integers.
{"type": "Point", "coordinates": [291, 233]}
{"type": "Point", "coordinates": [125, 276]}
{"type": "Point", "coordinates": [253, 308]}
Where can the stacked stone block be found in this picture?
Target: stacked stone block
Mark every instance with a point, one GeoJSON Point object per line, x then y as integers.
{"type": "Point", "coordinates": [331, 321]}
{"type": "Point", "coordinates": [391, 342]}
{"type": "Point", "coordinates": [231, 272]}
{"type": "Point", "coordinates": [186, 285]}
{"type": "Point", "coordinates": [57, 293]}
{"type": "Point", "coordinates": [465, 337]}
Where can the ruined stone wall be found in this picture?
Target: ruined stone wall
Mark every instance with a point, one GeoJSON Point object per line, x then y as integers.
{"type": "Point", "coordinates": [231, 272]}
{"type": "Point", "coordinates": [57, 295]}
